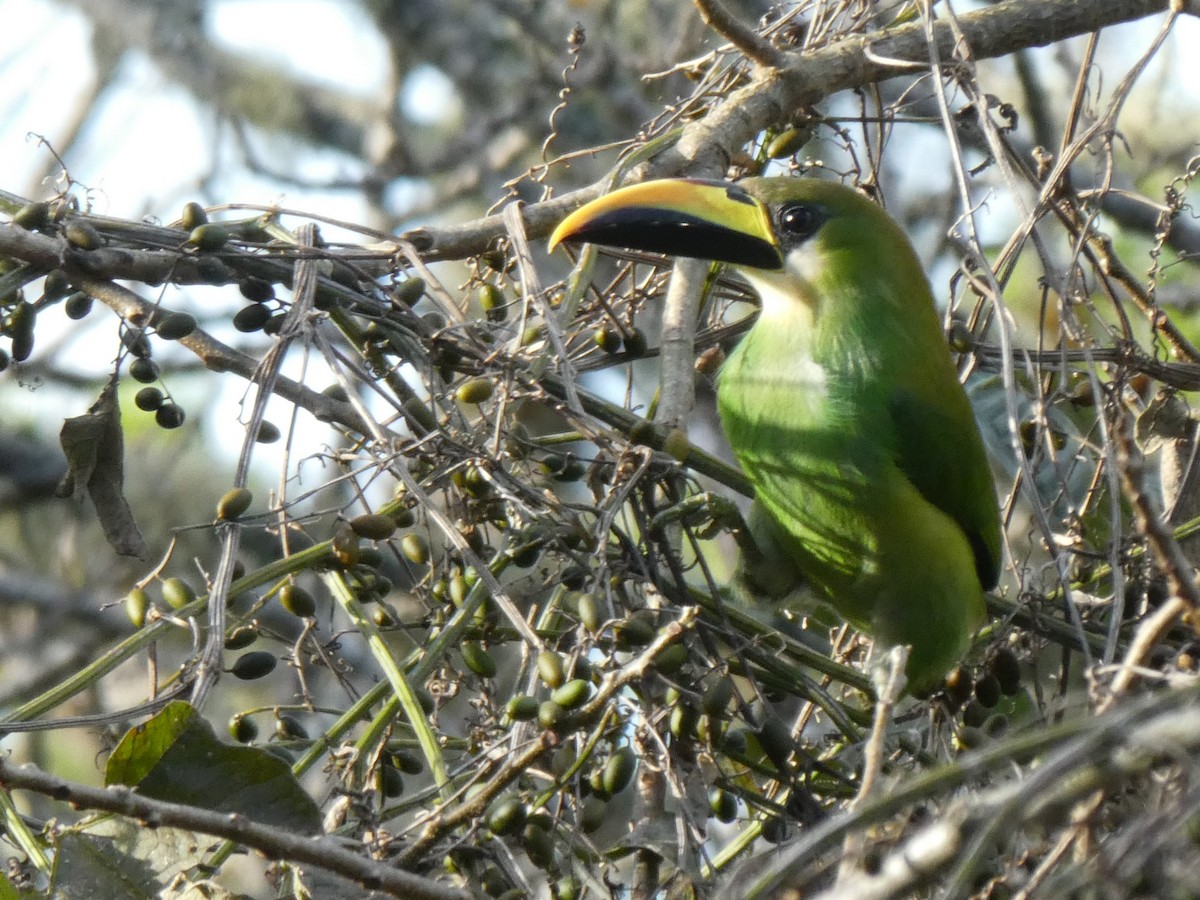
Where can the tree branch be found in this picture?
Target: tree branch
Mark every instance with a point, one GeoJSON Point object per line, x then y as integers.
{"type": "Point", "coordinates": [272, 841]}
{"type": "Point", "coordinates": [776, 94]}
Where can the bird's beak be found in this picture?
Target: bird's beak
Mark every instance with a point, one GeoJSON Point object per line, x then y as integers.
{"type": "Point", "coordinates": [713, 220]}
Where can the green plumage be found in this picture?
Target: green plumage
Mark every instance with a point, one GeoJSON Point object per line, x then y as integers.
{"type": "Point", "coordinates": [841, 404]}
{"type": "Point", "coordinates": [844, 409]}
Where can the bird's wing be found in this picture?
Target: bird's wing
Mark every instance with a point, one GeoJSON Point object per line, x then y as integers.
{"type": "Point", "coordinates": [942, 454]}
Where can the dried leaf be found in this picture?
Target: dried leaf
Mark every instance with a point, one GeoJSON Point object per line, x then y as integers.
{"type": "Point", "coordinates": [95, 449]}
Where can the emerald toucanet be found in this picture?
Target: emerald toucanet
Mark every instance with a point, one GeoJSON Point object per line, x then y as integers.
{"type": "Point", "coordinates": [841, 403]}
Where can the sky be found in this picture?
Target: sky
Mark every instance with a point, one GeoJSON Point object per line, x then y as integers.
{"type": "Point", "coordinates": [148, 146]}
{"type": "Point", "coordinates": [164, 146]}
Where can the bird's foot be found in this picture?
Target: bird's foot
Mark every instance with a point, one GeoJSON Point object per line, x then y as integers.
{"type": "Point", "coordinates": [708, 513]}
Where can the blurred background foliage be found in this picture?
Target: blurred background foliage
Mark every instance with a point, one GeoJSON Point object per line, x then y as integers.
{"type": "Point", "coordinates": [465, 603]}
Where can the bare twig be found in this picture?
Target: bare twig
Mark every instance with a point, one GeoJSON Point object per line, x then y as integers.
{"type": "Point", "coordinates": [742, 36]}
{"type": "Point", "coordinates": [889, 686]}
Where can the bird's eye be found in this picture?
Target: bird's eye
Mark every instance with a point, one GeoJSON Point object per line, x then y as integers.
{"type": "Point", "coordinates": [800, 221]}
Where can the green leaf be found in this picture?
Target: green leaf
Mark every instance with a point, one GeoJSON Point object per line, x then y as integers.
{"type": "Point", "coordinates": [177, 757]}
{"type": "Point", "coordinates": [87, 867]}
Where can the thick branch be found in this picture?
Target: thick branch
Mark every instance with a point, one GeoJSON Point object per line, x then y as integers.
{"type": "Point", "coordinates": [777, 94]}
{"type": "Point", "coordinates": [272, 841]}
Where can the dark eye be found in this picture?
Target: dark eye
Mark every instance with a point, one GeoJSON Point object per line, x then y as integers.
{"type": "Point", "coordinates": [800, 221]}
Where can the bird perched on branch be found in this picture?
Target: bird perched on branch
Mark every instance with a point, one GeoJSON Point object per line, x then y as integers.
{"type": "Point", "coordinates": [841, 404]}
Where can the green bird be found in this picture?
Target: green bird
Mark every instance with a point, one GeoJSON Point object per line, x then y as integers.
{"type": "Point", "coordinates": [841, 404]}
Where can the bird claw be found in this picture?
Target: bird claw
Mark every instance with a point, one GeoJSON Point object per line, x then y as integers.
{"type": "Point", "coordinates": [706, 510]}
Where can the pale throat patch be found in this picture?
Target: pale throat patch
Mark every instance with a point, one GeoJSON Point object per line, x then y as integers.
{"type": "Point", "coordinates": [790, 309]}
{"type": "Point", "coordinates": [790, 292]}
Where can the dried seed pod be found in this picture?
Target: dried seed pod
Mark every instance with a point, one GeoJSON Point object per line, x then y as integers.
{"type": "Point", "coordinates": [136, 342]}
{"type": "Point", "coordinates": [298, 601]}
{"type": "Point", "coordinates": [551, 715]}
{"type": "Point", "coordinates": [506, 815]}
{"type": "Point", "coordinates": [410, 291]}
{"type": "Point", "coordinates": [671, 659]}
{"type": "Point", "coordinates": [345, 547]}
{"type": "Point", "coordinates": [169, 415]}
{"type": "Point", "coordinates": [77, 305]}
{"type": "Point", "coordinates": [573, 694]}
{"type": "Point", "coordinates": [268, 433]}
{"type": "Point", "coordinates": [619, 770]}
{"type": "Point", "coordinates": [289, 728]}
{"type": "Point", "coordinates": [241, 637]}
{"type": "Point", "coordinates": [56, 285]}
{"type": "Point", "coordinates": [391, 783]}
{"type": "Point", "coordinates": [256, 290]}
{"type": "Point", "coordinates": [591, 613]}
{"type": "Point", "coordinates": [722, 805]}
{"type": "Point", "coordinates": [478, 660]}
{"type": "Point", "coordinates": [82, 235]}
{"type": "Point", "coordinates": [636, 344]}
{"type": "Point", "coordinates": [148, 399]}
{"type": "Point", "coordinates": [1007, 669]}
{"type": "Point", "coordinates": [475, 391]}
{"type": "Point", "coordinates": [208, 237]}
{"type": "Point", "coordinates": [242, 729]}
{"type": "Point", "coordinates": [253, 665]}
{"type": "Point", "coordinates": [32, 216]}
{"type": "Point", "coordinates": [539, 846]}
{"type": "Point", "coordinates": [373, 526]}
{"type": "Point", "coordinates": [550, 668]}
{"type": "Point", "coordinates": [788, 142]}
{"type": "Point", "coordinates": [251, 318]}
{"type": "Point", "coordinates": [194, 215]}
{"type": "Point", "coordinates": [415, 548]}
{"type": "Point", "coordinates": [177, 593]}
{"type": "Point", "coordinates": [521, 708]}
{"type": "Point", "coordinates": [137, 604]}
{"type": "Point", "coordinates": [144, 371]}
{"type": "Point", "coordinates": [676, 444]}
{"type": "Point", "coordinates": [233, 503]}
{"type": "Point", "coordinates": [987, 691]}
{"type": "Point", "coordinates": [492, 302]}
{"type": "Point", "coordinates": [607, 339]}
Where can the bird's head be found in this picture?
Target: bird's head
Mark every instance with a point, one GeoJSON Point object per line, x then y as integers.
{"type": "Point", "coordinates": [788, 236]}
